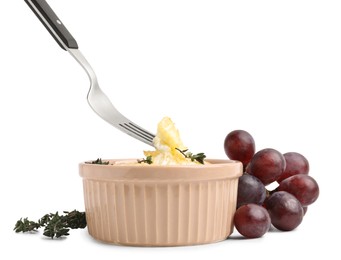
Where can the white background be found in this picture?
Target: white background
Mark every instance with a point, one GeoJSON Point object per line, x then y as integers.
{"type": "Point", "coordinates": [269, 67]}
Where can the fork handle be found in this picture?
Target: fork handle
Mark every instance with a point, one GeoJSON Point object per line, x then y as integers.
{"type": "Point", "coordinates": [52, 23]}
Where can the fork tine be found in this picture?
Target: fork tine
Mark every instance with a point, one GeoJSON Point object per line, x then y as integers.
{"type": "Point", "coordinates": [137, 130]}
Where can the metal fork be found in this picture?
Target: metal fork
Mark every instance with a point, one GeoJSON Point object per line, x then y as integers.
{"type": "Point", "coordinates": [97, 100]}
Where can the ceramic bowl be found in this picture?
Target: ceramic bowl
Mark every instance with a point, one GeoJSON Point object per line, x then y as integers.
{"type": "Point", "coordinates": [150, 205]}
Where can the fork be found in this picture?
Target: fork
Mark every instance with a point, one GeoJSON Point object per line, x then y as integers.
{"type": "Point", "coordinates": [97, 99]}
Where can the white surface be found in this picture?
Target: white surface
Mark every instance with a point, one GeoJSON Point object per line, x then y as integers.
{"type": "Point", "coordinates": [269, 67]}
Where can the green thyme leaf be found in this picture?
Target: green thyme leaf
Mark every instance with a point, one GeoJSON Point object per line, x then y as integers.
{"type": "Point", "coordinates": [98, 161]}
{"type": "Point", "coordinates": [199, 157]}
{"type": "Point", "coordinates": [25, 225]}
{"type": "Point", "coordinates": [54, 225]}
{"type": "Point", "coordinates": [147, 160]}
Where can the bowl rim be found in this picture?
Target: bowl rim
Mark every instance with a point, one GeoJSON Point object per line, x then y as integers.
{"type": "Point", "coordinates": [215, 170]}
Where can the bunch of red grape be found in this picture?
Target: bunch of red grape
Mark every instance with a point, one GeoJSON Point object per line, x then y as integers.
{"type": "Point", "coordinates": [258, 207]}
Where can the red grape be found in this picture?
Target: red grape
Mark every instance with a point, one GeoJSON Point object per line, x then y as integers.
{"type": "Point", "coordinates": [252, 220]}
{"type": "Point", "coordinates": [284, 206]}
{"type": "Point", "coordinates": [295, 164]}
{"type": "Point", "coordinates": [302, 186]}
{"type": "Point", "coordinates": [250, 190]}
{"type": "Point", "coordinates": [267, 165]}
{"type": "Point", "coordinates": [239, 145]}
{"type": "Point", "coordinates": [285, 210]}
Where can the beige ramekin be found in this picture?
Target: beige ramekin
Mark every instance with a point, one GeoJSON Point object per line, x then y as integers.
{"type": "Point", "coordinates": [146, 205]}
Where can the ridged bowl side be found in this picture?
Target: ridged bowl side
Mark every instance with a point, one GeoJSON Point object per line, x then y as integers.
{"type": "Point", "coordinates": [160, 213]}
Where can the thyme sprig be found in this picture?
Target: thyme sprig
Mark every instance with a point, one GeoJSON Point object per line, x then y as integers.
{"type": "Point", "coordinates": [54, 225]}
{"type": "Point", "coordinates": [25, 225]}
{"type": "Point", "coordinates": [98, 161]}
{"type": "Point", "coordinates": [199, 157]}
{"type": "Point", "coordinates": [147, 160]}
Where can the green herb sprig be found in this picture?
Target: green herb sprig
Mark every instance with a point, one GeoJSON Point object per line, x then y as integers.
{"type": "Point", "coordinates": [147, 160]}
{"type": "Point", "coordinates": [98, 161]}
{"type": "Point", "coordinates": [54, 225]}
{"type": "Point", "coordinates": [199, 157]}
